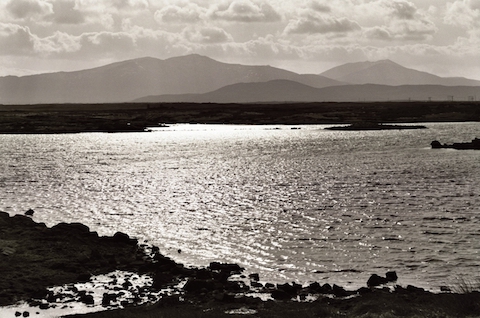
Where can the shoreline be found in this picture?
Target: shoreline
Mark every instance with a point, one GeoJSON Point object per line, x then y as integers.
{"type": "Point", "coordinates": [35, 257]}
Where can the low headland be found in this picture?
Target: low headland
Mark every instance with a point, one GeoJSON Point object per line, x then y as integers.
{"type": "Point", "coordinates": [34, 257]}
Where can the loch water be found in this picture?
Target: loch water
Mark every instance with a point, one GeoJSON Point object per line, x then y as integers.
{"type": "Point", "coordinates": [292, 203]}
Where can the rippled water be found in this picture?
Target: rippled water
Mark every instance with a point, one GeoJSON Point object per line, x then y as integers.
{"type": "Point", "coordinates": [292, 204]}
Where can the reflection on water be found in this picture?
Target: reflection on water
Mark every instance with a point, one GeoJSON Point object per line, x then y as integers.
{"type": "Point", "coordinates": [292, 204]}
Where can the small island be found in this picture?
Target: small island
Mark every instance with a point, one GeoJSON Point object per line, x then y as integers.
{"type": "Point", "coordinates": [365, 125]}
{"type": "Point", "coordinates": [473, 145]}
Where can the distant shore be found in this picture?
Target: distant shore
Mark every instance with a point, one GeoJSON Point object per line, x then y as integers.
{"type": "Point", "coordinates": [34, 257]}
{"type": "Point", "coordinates": [135, 117]}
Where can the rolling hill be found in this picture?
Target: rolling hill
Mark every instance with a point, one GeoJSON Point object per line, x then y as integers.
{"type": "Point", "coordinates": [290, 91]}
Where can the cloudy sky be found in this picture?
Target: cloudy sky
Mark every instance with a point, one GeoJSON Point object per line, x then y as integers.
{"type": "Point", "coordinates": [305, 36]}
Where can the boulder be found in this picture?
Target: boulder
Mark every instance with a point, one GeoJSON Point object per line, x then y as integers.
{"type": "Point", "coordinates": [232, 268]}
{"type": "Point", "coordinates": [376, 280]}
{"type": "Point", "coordinates": [391, 276]}
{"type": "Point", "coordinates": [124, 238]}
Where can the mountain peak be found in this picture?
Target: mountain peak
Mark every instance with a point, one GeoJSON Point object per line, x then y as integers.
{"type": "Point", "coordinates": [387, 72]}
{"type": "Point", "coordinates": [386, 61]}
{"type": "Point", "coordinates": [192, 57]}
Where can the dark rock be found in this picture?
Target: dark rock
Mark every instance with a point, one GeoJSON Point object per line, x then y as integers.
{"type": "Point", "coordinates": [326, 289]}
{"type": "Point", "coordinates": [22, 220]}
{"type": "Point", "coordinates": [256, 284]}
{"type": "Point", "coordinates": [255, 277]}
{"type": "Point", "coordinates": [436, 144]}
{"type": "Point", "coordinates": [18, 314]}
{"type": "Point", "coordinates": [126, 284]}
{"type": "Point", "coordinates": [71, 228]}
{"type": "Point", "coordinates": [87, 299]}
{"type": "Point", "coordinates": [364, 290]}
{"type": "Point", "coordinates": [232, 268]}
{"type": "Point", "coordinates": [376, 280]}
{"type": "Point", "coordinates": [414, 289]}
{"type": "Point", "coordinates": [391, 276]}
{"type": "Point", "coordinates": [445, 289]}
{"type": "Point", "coordinates": [339, 291]}
{"type": "Point", "coordinates": [314, 287]}
{"type": "Point", "coordinates": [164, 263]}
{"type": "Point", "coordinates": [51, 297]}
{"type": "Point", "coordinates": [26, 314]}
{"type": "Point", "coordinates": [44, 306]}
{"type": "Point", "coordinates": [280, 295]}
{"type": "Point", "coordinates": [473, 145]}
{"type": "Point", "coordinates": [124, 238]}
{"type": "Point", "coordinates": [29, 212]}
{"type": "Point", "coordinates": [292, 290]}
{"type": "Point", "coordinates": [197, 285]}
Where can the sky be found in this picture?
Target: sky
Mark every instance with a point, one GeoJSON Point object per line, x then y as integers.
{"type": "Point", "coordinates": [304, 36]}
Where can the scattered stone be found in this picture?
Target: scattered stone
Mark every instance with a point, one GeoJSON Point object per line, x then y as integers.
{"type": "Point", "coordinates": [108, 298]}
{"type": "Point", "coordinates": [44, 306]}
{"type": "Point", "coordinates": [29, 212]}
{"type": "Point", "coordinates": [87, 299]}
{"type": "Point", "coordinates": [254, 277]}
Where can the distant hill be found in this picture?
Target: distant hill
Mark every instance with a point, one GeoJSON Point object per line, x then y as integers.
{"type": "Point", "coordinates": [386, 72]}
{"type": "Point", "coordinates": [128, 80]}
{"type": "Point", "coordinates": [290, 91]}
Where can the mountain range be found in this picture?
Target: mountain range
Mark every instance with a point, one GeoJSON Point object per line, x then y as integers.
{"type": "Point", "coordinates": [196, 78]}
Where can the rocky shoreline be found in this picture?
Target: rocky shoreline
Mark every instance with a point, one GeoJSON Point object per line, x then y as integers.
{"type": "Point", "coordinates": [34, 257]}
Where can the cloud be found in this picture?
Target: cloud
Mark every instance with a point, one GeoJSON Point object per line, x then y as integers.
{"type": "Point", "coordinates": [414, 30]}
{"type": "Point", "coordinates": [378, 33]}
{"type": "Point", "coordinates": [130, 4]}
{"type": "Point", "coordinates": [207, 35]}
{"type": "Point", "coordinates": [319, 24]}
{"type": "Point", "coordinates": [244, 11]}
{"type": "Point", "coordinates": [320, 7]}
{"type": "Point", "coordinates": [188, 13]}
{"type": "Point", "coordinates": [15, 39]}
{"type": "Point", "coordinates": [24, 9]}
{"type": "Point", "coordinates": [402, 9]}
{"type": "Point", "coordinates": [465, 13]}
{"type": "Point", "coordinates": [66, 12]}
